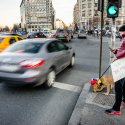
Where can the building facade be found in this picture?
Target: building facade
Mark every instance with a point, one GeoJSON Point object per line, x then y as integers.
{"type": "Point", "coordinates": [76, 15]}
{"type": "Point", "coordinates": [86, 13]}
{"type": "Point", "coordinates": [37, 15]}
{"type": "Point", "coordinates": [89, 16]}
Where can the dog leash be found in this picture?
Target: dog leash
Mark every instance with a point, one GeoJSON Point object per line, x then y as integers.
{"type": "Point", "coordinates": [106, 70]}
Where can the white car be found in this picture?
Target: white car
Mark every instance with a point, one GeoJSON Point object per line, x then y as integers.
{"type": "Point", "coordinates": [47, 34]}
{"type": "Point", "coordinates": [82, 34]}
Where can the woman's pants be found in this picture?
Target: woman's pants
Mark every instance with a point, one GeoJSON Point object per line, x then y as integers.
{"type": "Point", "coordinates": [119, 94]}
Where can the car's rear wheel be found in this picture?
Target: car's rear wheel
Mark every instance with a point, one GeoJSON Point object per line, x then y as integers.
{"type": "Point", "coordinates": [50, 79]}
{"type": "Point", "coordinates": [72, 61]}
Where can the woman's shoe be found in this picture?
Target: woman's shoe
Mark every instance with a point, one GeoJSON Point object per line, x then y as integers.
{"type": "Point", "coordinates": [112, 112]}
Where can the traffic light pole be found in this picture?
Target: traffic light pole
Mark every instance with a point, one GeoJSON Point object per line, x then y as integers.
{"type": "Point", "coordinates": [113, 38]}
{"type": "Point", "coordinates": [100, 63]}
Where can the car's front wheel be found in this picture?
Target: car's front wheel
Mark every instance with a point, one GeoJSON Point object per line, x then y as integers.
{"type": "Point", "coordinates": [72, 61]}
{"type": "Point", "coordinates": [50, 79]}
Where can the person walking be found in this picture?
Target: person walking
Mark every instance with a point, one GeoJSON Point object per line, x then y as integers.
{"type": "Point", "coordinates": [119, 85]}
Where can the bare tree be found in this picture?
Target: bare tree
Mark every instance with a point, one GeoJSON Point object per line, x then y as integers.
{"type": "Point", "coordinates": [63, 24]}
{"type": "Point", "coordinates": [15, 27]}
{"type": "Point", "coordinates": [6, 29]}
{"type": "Point", "coordinates": [96, 21]}
{"type": "Point", "coordinates": [1, 28]}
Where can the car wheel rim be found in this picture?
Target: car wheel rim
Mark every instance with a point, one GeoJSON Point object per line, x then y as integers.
{"type": "Point", "coordinates": [73, 61]}
{"type": "Point", "coordinates": [51, 78]}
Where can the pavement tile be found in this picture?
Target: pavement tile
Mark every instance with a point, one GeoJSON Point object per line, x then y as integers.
{"type": "Point", "coordinates": [94, 115]}
{"type": "Point", "coordinates": [90, 110]}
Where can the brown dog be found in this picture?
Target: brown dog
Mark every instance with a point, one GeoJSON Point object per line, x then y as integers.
{"type": "Point", "coordinates": [104, 82]}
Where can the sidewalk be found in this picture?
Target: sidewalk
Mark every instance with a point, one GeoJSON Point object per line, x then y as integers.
{"type": "Point", "coordinates": [90, 109]}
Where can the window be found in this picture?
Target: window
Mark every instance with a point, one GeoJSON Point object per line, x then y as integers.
{"type": "Point", "coordinates": [52, 47]}
{"type": "Point", "coordinates": [83, 14]}
{"type": "Point", "coordinates": [61, 46]}
{"type": "Point", "coordinates": [41, 35]}
{"type": "Point", "coordinates": [83, 6]}
{"type": "Point", "coordinates": [96, 4]}
{"type": "Point", "coordinates": [61, 31]}
{"type": "Point", "coordinates": [25, 47]}
{"type": "Point", "coordinates": [83, 0]}
{"type": "Point", "coordinates": [19, 38]}
{"type": "Point", "coordinates": [12, 40]}
{"type": "Point", "coordinates": [89, 5]}
{"type": "Point", "coordinates": [1, 39]}
{"type": "Point", "coordinates": [82, 31]}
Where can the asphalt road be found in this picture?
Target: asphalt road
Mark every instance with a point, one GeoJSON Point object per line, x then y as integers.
{"type": "Point", "coordinates": [39, 106]}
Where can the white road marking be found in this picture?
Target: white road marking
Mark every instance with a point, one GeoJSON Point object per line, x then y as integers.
{"type": "Point", "coordinates": [68, 87]}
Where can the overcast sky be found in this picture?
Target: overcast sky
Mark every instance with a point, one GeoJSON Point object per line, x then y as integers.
{"type": "Point", "coordinates": [10, 11]}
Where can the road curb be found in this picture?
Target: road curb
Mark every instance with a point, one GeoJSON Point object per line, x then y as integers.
{"type": "Point", "coordinates": [76, 115]}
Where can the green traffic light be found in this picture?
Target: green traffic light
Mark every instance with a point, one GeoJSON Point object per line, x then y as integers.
{"type": "Point", "coordinates": [112, 10]}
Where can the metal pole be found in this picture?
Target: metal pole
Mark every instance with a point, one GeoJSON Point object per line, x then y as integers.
{"type": "Point", "coordinates": [113, 37]}
{"type": "Point", "coordinates": [100, 63]}
{"type": "Point", "coordinates": [88, 23]}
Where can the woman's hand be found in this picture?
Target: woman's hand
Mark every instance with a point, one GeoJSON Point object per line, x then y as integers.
{"type": "Point", "coordinates": [114, 51]}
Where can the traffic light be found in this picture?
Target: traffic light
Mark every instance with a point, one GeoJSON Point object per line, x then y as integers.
{"type": "Point", "coordinates": [113, 8]}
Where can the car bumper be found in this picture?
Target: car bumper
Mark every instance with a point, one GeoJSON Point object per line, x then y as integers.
{"type": "Point", "coordinates": [20, 80]}
{"type": "Point", "coordinates": [82, 36]}
{"type": "Point", "coordinates": [61, 38]}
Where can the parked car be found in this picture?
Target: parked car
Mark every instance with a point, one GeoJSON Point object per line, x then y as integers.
{"type": "Point", "coordinates": [82, 34]}
{"type": "Point", "coordinates": [21, 33]}
{"type": "Point", "coordinates": [36, 35]}
{"type": "Point", "coordinates": [108, 33]}
{"type": "Point", "coordinates": [47, 34]}
{"type": "Point", "coordinates": [34, 62]}
{"type": "Point", "coordinates": [6, 41]}
{"type": "Point", "coordinates": [10, 34]}
{"type": "Point", "coordinates": [52, 34]}
{"type": "Point", "coordinates": [63, 34]}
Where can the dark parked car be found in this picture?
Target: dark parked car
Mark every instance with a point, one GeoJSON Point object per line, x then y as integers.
{"type": "Point", "coordinates": [35, 61]}
{"type": "Point", "coordinates": [36, 35]}
{"type": "Point", "coordinates": [63, 34]}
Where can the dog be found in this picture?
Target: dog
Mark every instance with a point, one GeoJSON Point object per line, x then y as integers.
{"type": "Point", "coordinates": [105, 81]}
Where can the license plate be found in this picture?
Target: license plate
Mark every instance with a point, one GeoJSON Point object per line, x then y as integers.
{"type": "Point", "coordinates": [9, 68]}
